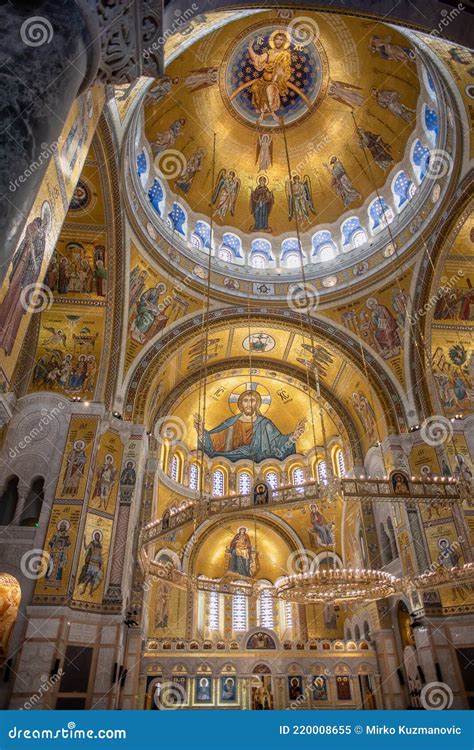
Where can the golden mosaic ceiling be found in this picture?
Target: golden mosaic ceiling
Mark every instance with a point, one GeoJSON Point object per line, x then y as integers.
{"type": "Point", "coordinates": [223, 100]}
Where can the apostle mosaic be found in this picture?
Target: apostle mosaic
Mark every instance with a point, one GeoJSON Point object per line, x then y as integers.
{"type": "Point", "coordinates": [167, 138]}
{"type": "Point", "coordinates": [321, 526]}
{"type": "Point", "coordinates": [384, 328]}
{"type": "Point", "coordinates": [149, 314]}
{"type": "Point", "coordinates": [391, 100]}
{"type": "Point", "coordinates": [193, 166]}
{"type": "Point", "coordinates": [105, 480]}
{"type": "Point", "coordinates": [379, 149]}
{"type": "Point", "coordinates": [387, 50]}
{"type": "Point", "coordinates": [92, 570]}
{"type": "Point", "coordinates": [203, 689]}
{"type": "Point", "coordinates": [76, 461]}
{"type": "Point", "coordinates": [341, 182]}
{"type": "Point", "coordinates": [248, 434]}
{"type": "Point", "coordinates": [58, 547]}
{"type": "Point", "coordinates": [128, 479]}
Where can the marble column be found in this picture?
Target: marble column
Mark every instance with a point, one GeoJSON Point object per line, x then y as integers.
{"type": "Point", "coordinates": [50, 52]}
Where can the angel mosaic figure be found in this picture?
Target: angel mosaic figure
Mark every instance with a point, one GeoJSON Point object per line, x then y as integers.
{"type": "Point", "coordinates": [264, 151]}
{"type": "Point", "coordinates": [388, 99]}
{"type": "Point", "coordinates": [300, 198]}
{"type": "Point", "coordinates": [225, 193]}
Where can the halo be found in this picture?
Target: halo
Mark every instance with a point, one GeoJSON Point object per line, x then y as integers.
{"type": "Point", "coordinates": [97, 531]}
{"type": "Point", "coordinates": [109, 455]}
{"type": "Point", "coordinates": [261, 389]}
{"type": "Point", "coordinates": [279, 32]}
{"type": "Point", "coordinates": [79, 445]}
{"type": "Point", "coordinates": [63, 521]}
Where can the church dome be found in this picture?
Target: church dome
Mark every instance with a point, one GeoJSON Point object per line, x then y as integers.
{"type": "Point", "coordinates": [277, 139]}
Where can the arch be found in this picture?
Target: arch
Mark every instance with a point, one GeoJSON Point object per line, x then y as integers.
{"type": "Point", "coordinates": [144, 371]}
{"type": "Point", "coordinates": [352, 233]}
{"type": "Point", "coordinates": [380, 214]}
{"type": "Point", "coordinates": [244, 482]}
{"type": "Point", "coordinates": [420, 159]}
{"type": "Point", "coordinates": [260, 253]}
{"type": "Point", "coordinates": [291, 255]}
{"type": "Point", "coordinates": [143, 168]}
{"type": "Point", "coordinates": [430, 122]}
{"type": "Point", "coordinates": [34, 503]}
{"type": "Point", "coordinates": [323, 246]}
{"type": "Point", "coordinates": [326, 560]}
{"type": "Point", "coordinates": [156, 196]}
{"type": "Point", "coordinates": [218, 483]}
{"type": "Point", "coordinates": [233, 243]}
{"type": "Point", "coordinates": [9, 501]}
{"type": "Point", "coordinates": [272, 479]}
{"type": "Point", "coordinates": [178, 219]}
{"type": "Point", "coordinates": [194, 475]}
{"type": "Point", "coordinates": [403, 189]}
{"type": "Point", "coordinates": [201, 236]}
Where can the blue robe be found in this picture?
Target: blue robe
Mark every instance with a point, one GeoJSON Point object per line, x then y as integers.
{"type": "Point", "coordinates": [267, 442]}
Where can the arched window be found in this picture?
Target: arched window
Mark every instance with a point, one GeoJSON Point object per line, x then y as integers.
{"type": "Point", "coordinates": [239, 612]}
{"type": "Point", "coordinates": [293, 260]}
{"type": "Point", "coordinates": [156, 196]}
{"type": "Point", "coordinates": [420, 158]}
{"type": "Point", "coordinates": [288, 614]}
{"type": "Point", "coordinates": [298, 477]}
{"type": "Point", "coordinates": [322, 472]}
{"type": "Point", "coordinates": [265, 613]}
{"type": "Point", "coordinates": [218, 483]}
{"type": "Point", "coordinates": [260, 253]}
{"type": "Point", "coordinates": [291, 255]}
{"type": "Point", "coordinates": [34, 503]}
{"type": "Point", "coordinates": [324, 248]}
{"type": "Point", "coordinates": [201, 237]}
{"type": "Point", "coordinates": [244, 483]}
{"type": "Point", "coordinates": [271, 478]}
{"type": "Point", "coordinates": [258, 260]}
{"type": "Point", "coordinates": [403, 189]}
{"type": "Point", "coordinates": [214, 611]}
{"type": "Point", "coordinates": [177, 219]}
{"type": "Point", "coordinates": [224, 253]}
{"type": "Point", "coordinates": [431, 123]}
{"type": "Point", "coordinates": [8, 501]}
{"type": "Point", "coordinates": [340, 463]}
{"type": "Point", "coordinates": [175, 467]}
{"type": "Point", "coordinates": [353, 235]}
{"type": "Point", "coordinates": [391, 536]}
{"type": "Point", "coordinates": [380, 214]}
{"type": "Point", "coordinates": [233, 243]}
{"type": "Point", "coordinates": [193, 477]}
{"type": "Point", "coordinates": [142, 168]}
{"type": "Point", "coordinates": [357, 633]}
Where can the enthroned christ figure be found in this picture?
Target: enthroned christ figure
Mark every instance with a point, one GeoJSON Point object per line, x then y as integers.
{"type": "Point", "coordinates": [247, 434]}
{"type": "Point", "coordinates": [275, 66]}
